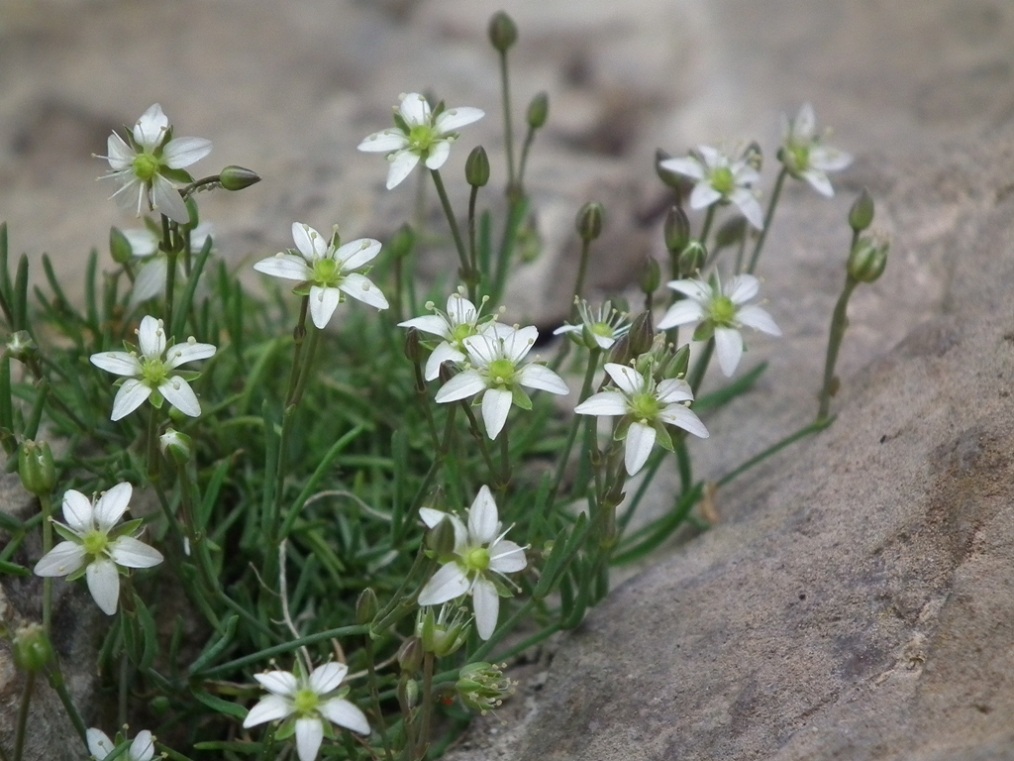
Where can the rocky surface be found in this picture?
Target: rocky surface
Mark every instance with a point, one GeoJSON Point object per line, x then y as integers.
{"type": "Point", "coordinates": [855, 600]}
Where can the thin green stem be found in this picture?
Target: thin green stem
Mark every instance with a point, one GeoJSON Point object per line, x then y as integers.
{"type": "Point", "coordinates": [529, 138]}
{"type": "Point", "coordinates": [582, 268]}
{"type": "Point", "coordinates": [22, 724]}
{"type": "Point", "coordinates": [459, 244]}
{"type": "Point", "coordinates": [298, 337]}
{"type": "Point", "coordinates": [287, 647]}
{"type": "Point", "coordinates": [575, 423]}
{"type": "Point", "coordinates": [701, 366]}
{"type": "Point", "coordinates": [839, 322]}
{"type": "Point", "coordinates": [375, 695]}
{"type": "Point", "coordinates": [508, 123]}
{"type": "Point", "coordinates": [709, 218]}
{"type": "Point", "coordinates": [56, 682]}
{"type": "Point", "coordinates": [46, 504]}
{"type": "Point", "coordinates": [427, 706]}
{"type": "Point", "coordinates": [768, 218]}
{"type": "Point", "coordinates": [815, 427]}
{"type": "Point", "coordinates": [473, 256]}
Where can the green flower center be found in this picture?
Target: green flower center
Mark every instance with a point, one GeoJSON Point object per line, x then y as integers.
{"type": "Point", "coordinates": [723, 180]}
{"type": "Point", "coordinates": [601, 329]}
{"type": "Point", "coordinates": [305, 701]}
{"type": "Point", "coordinates": [501, 372]}
{"type": "Point", "coordinates": [644, 406]}
{"type": "Point", "coordinates": [799, 157]}
{"type": "Point", "coordinates": [477, 559]}
{"type": "Point", "coordinates": [462, 331]}
{"type": "Point", "coordinates": [95, 542]}
{"type": "Point", "coordinates": [723, 311]}
{"type": "Point", "coordinates": [154, 372]}
{"type": "Point", "coordinates": [421, 138]}
{"type": "Point", "coordinates": [327, 273]}
{"type": "Point", "coordinates": [146, 166]}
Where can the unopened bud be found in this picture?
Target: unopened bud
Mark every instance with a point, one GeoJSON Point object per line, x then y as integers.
{"type": "Point", "coordinates": [176, 446]}
{"type": "Point", "coordinates": [237, 177]}
{"type": "Point", "coordinates": [402, 242]}
{"type": "Point", "coordinates": [36, 468]}
{"type": "Point", "coordinates": [589, 221]}
{"type": "Point", "coordinates": [366, 606]}
{"type": "Point", "coordinates": [410, 655]}
{"type": "Point", "coordinates": [477, 167]}
{"type": "Point", "coordinates": [32, 649]}
{"type": "Point", "coordinates": [676, 229]}
{"type": "Point", "coordinates": [408, 692]}
{"type": "Point", "coordinates": [651, 276]}
{"type": "Point", "coordinates": [119, 246]}
{"type": "Point", "coordinates": [503, 32]}
{"type": "Point", "coordinates": [692, 258]}
{"type": "Point", "coordinates": [642, 335]}
{"type": "Point", "coordinates": [868, 258]}
{"type": "Point", "coordinates": [413, 347]}
{"type": "Point", "coordinates": [538, 111]}
{"type": "Point", "coordinates": [861, 213]}
{"type": "Point", "coordinates": [440, 538]}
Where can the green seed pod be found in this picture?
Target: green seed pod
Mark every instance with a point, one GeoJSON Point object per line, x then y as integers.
{"type": "Point", "coordinates": [538, 111]}
{"type": "Point", "coordinates": [440, 538]}
{"type": "Point", "coordinates": [589, 221]}
{"type": "Point", "coordinates": [868, 259]}
{"type": "Point", "coordinates": [676, 230]}
{"type": "Point", "coordinates": [477, 167]}
{"type": "Point", "coordinates": [32, 649]}
{"type": "Point", "coordinates": [642, 335]}
{"type": "Point", "coordinates": [237, 177]}
{"type": "Point", "coordinates": [503, 32]}
{"type": "Point", "coordinates": [36, 468]}
{"type": "Point", "coordinates": [402, 242]}
{"type": "Point", "coordinates": [176, 446]}
{"type": "Point", "coordinates": [119, 247]}
{"type": "Point", "coordinates": [651, 276]}
{"type": "Point", "coordinates": [410, 655]}
{"type": "Point", "coordinates": [366, 606]}
{"type": "Point", "coordinates": [861, 213]}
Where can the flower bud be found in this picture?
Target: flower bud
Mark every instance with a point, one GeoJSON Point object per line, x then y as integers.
{"type": "Point", "coordinates": [692, 258]}
{"type": "Point", "coordinates": [119, 247]}
{"type": "Point", "coordinates": [237, 177]}
{"type": "Point", "coordinates": [651, 276]}
{"type": "Point", "coordinates": [402, 242]}
{"type": "Point", "coordinates": [408, 692]}
{"type": "Point", "coordinates": [642, 335]}
{"type": "Point", "coordinates": [36, 468]}
{"type": "Point", "coordinates": [366, 606]}
{"type": "Point", "coordinates": [482, 686]}
{"type": "Point", "coordinates": [868, 258]}
{"type": "Point", "coordinates": [176, 446]}
{"type": "Point", "coordinates": [440, 538]}
{"type": "Point", "coordinates": [538, 111]}
{"type": "Point", "coordinates": [477, 167]}
{"type": "Point", "coordinates": [676, 230]}
{"type": "Point", "coordinates": [410, 655]}
{"type": "Point", "coordinates": [861, 213]}
{"type": "Point", "coordinates": [589, 221]}
{"type": "Point", "coordinates": [32, 648]}
{"type": "Point", "coordinates": [20, 345]}
{"type": "Point", "coordinates": [503, 32]}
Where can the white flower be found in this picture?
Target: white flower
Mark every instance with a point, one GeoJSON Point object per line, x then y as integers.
{"type": "Point", "coordinates": [480, 551]}
{"type": "Point", "coordinates": [647, 408]}
{"type": "Point", "coordinates": [719, 179]}
{"type": "Point", "coordinates": [148, 376]}
{"type": "Point", "coordinates": [326, 270]}
{"type": "Point", "coordinates": [96, 546]}
{"type": "Point", "coordinates": [150, 160]}
{"type": "Point", "coordinates": [495, 371]}
{"type": "Point", "coordinates": [804, 156]}
{"type": "Point", "coordinates": [419, 134]}
{"type": "Point", "coordinates": [599, 328]}
{"type": "Point", "coordinates": [460, 321]}
{"type": "Point", "coordinates": [153, 272]}
{"type": "Point", "coordinates": [308, 701]}
{"type": "Point", "coordinates": [722, 311]}
{"type": "Point", "coordinates": [100, 746]}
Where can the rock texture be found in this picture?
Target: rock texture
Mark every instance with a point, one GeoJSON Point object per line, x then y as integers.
{"type": "Point", "coordinates": [856, 601]}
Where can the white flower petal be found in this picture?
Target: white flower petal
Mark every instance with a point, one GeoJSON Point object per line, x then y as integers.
{"type": "Point", "coordinates": [750, 206]}
{"type": "Point", "coordinates": [167, 199]}
{"type": "Point", "coordinates": [111, 506]}
{"type": "Point", "coordinates": [507, 557]}
{"type": "Point", "coordinates": [356, 253]}
{"type": "Point", "coordinates": [454, 118]}
{"type": "Point", "coordinates": [78, 511]}
{"type": "Point", "coordinates": [429, 323]}
{"type": "Point", "coordinates": [278, 682]}
{"type": "Point", "coordinates": [143, 242]}
{"type": "Point", "coordinates": [385, 141]}
{"type": "Point", "coordinates": [131, 395]}
{"type": "Point", "coordinates": [486, 603]}
{"type": "Point", "coordinates": [344, 714]}
{"type": "Point", "coordinates": [542, 378]}
{"type": "Point", "coordinates": [603, 403]}
{"type": "Point", "coordinates": [361, 288]}
{"type": "Point", "coordinates": [805, 123]}
{"type": "Point", "coordinates": [446, 584]}
{"type": "Point", "coordinates": [151, 337]}
{"type": "Point", "coordinates": [729, 347]}
{"type": "Point", "coordinates": [183, 151]}
{"type": "Point", "coordinates": [179, 394]}
{"type": "Point", "coordinates": [402, 164]}
{"type": "Point", "coordinates": [143, 747]}
{"type": "Point", "coordinates": [309, 734]}
{"type": "Point", "coordinates": [323, 302]}
{"type": "Point", "coordinates": [431, 517]}
{"type": "Point", "coordinates": [104, 584]}
{"type": "Point", "coordinates": [287, 266]}
{"type": "Point", "coordinates": [414, 109]}
{"type": "Point", "coordinates": [680, 416]}
{"type": "Point", "coordinates": [133, 553]}
{"type": "Point", "coordinates": [62, 560]}
{"type": "Point", "coordinates": [483, 521]}
{"type": "Point", "coordinates": [819, 182]}
{"type": "Point", "coordinates": [519, 342]}
{"type": "Point", "coordinates": [308, 241]}
{"type": "Point", "coordinates": [695, 289]}
{"type": "Point", "coordinates": [682, 312]}
{"type": "Point", "coordinates": [99, 744]}
{"type": "Point", "coordinates": [327, 678]}
{"type": "Point", "coordinates": [443, 353]}
{"type": "Point", "coordinates": [182, 353]}
{"type": "Point", "coordinates": [640, 440]}
{"type": "Point", "coordinates": [270, 708]}
{"type": "Point", "coordinates": [703, 195]}
{"type": "Point", "coordinates": [438, 154]}
{"type": "Point", "coordinates": [496, 404]}
{"type": "Point", "coordinates": [117, 362]}
{"type": "Point", "coordinates": [461, 386]}
{"type": "Point", "coordinates": [148, 130]}
{"type": "Point", "coordinates": [829, 159]}
{"type": "Point", "coordinates": [741, 288]}
{"type": "Point", "coordinates": [686, 166]}
{"type": "Point", "coordinates": [626, 378]}
{"type": "Point", "coordinates": [673, 390]}
{"type": "Point", "coordinates": [150, 280]}
{"type": "Point", "coordinates": [121, 156]}
{"type": "Point", "coordinates": [757, 318]}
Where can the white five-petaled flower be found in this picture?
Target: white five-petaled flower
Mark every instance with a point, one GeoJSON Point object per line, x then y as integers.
{"type": "Point", "coordinates": [647, 407]}
{"type": "Point", "coordinates": [804, 156]}
{"type": "Point", "coordinates": [326, 270]}
{"type": "Point", "coordinates": [719, 179]}
{"type": "Point", "coordinates": [306, 702]}
{"type": "Point", "coordinates": [150, 160]}
{"type": "Point", "coordinates": [722, 311]}
{"type": "Point", "coordinates": [101, 747]}
{"type": "Point", "coordinates": [460, 321]}
{"type": "Point", "coordinates": [149, 376]}
{"type": "Point", "coordinates": [420, 134]}
{"type": "Point", "coordinates": [94, 545]}
{"type": "Point", "coordinates": [153, 270]}
{"type": "Point", "coordinates": [494, 370]}
{"type": "Point", "coordinates": [599, 328]}
{"type": "Point", "coordinates": [480, 552]}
